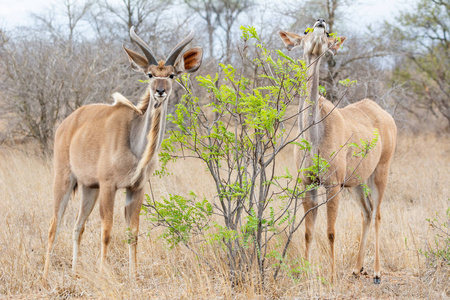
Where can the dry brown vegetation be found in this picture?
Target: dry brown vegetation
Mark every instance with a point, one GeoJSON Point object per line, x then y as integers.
{"type": "Point", "coordinates": [418, 189]}
{"type": "Point", "coordinates": [402, 65]}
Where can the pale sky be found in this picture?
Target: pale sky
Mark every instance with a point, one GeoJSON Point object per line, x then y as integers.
{"type": "Point", "coordinates": [17, 12]}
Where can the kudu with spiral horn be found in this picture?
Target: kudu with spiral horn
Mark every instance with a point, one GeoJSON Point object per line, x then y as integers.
{"type": "Point", "coordinates": [101, 148]}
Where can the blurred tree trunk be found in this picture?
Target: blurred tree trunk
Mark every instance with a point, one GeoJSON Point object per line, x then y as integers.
{"type": "Point", "coordinates": [219, 14]}
{"type": "Point", "coordinates": [231, 9]}
{"type": "Point", "coordinates": [209, 13]}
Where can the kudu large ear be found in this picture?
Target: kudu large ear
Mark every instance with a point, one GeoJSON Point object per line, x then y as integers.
{"type": "Point", "coordinates": [190, 61]}
{"type": "Point", "coordinates": [335, 44]}
{"type": "Point", "coordinates": [138, 62]}
{"type": "Point", "coordinates": [290, 40]}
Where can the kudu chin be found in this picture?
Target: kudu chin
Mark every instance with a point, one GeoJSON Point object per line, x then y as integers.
{"type": "Point", "coordinates": [333, 129]}
{"type": "Point", "coordinates": [100, 148]}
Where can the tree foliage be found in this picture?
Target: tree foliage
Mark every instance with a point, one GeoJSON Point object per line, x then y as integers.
{"type": "Point", "coordinates": [238, 137]}
{"type": "Point", "coordinates": [423, 41]}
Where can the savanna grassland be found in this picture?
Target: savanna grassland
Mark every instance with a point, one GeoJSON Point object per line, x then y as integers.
{"type": "Point", "coordinates": [418, 189]}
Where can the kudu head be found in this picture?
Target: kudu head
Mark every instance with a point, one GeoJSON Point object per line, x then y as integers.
{"type": "Point", "coordinates": [162, 73]}
{"type": "Point", "coordinates": [314, 43]}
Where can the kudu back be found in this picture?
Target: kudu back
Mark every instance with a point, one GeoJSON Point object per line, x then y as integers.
{"type": "Point", "coordinates": [101, 148]}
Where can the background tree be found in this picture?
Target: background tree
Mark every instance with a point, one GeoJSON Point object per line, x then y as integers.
{"type": "Point", "coordinates": [422, 43]}
{"type": "Point", "coordinates": [231, 10]}
{"type": "Point", "coordinates": [220, 14]}
{"type": "Point", "coordinates": [144, 15]}
{"type": "Point", "coordinates": [209, 12]}
{"type": "Point", "coordinates": [87, 63]}
{"type": "Point", "coordinates": [49, 71]}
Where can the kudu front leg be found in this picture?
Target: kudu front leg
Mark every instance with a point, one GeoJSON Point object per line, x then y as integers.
{"type": "Point", "coordinates": [309, 202]}
{"type": "Point", "coordinates": [333, 196]}
{"type": "Point", "coordinates": [107, 195]}
{"type": "Point", "coordinates": [132, 209]}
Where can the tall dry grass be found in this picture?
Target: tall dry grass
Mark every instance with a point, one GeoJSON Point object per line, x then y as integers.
{"type": "Point", "coordinates": [419, 187]}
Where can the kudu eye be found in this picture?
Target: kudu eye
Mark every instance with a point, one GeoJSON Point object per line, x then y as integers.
{"type": "Point", "coordinates": [171, 76]}
{"type": "Point", "coordinates": [150, 75]}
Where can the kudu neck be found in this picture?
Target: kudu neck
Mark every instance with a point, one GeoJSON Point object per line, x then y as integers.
{"type": "Point", "coordinates": [144, 124]}
{"type": "Point", "coordinates": [311, 113]}
{"type": "Point", "coordinates": [312, 87]}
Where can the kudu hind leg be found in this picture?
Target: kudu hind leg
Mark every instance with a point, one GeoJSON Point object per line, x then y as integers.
{"type": "Point", "coordinates": [366, 212]}
{"type": "Point", "coordinates": [63, 187]}
{"type": "Point", "coordinates": [309, 202]}
{"type": "Point", "coordinates": [88, 200]}
{"type": "Point", "coordinates": [132, 209]}
{"type": "Point", "coordinates": [106, 198]}
{"type": "Point", "coordinates": [378, 188]}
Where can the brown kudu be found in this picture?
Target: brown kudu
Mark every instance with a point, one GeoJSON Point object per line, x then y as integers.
{"type": "Point", "coordinates": [332, 129]}
{"type": "Point", "coordinates": [102, 148]}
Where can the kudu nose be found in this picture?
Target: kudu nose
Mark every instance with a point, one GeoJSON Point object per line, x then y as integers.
{"type": "Point", "coordinates": [160, 91]}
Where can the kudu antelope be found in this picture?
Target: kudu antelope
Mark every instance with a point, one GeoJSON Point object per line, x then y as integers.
{"type": "Point", "coordinates": [342, 126]}
{"type": "Point", "coordinates": [102, 148]}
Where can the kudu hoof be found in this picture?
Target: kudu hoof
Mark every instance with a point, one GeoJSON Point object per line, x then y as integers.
{"type": "Point", "coordinates": [377, 280]}
{"type": "Point", "coordinates": [357, 274]}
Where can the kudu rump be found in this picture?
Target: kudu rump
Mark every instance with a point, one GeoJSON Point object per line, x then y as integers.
{"type": "Point", "coordinates": [333, 129]}
{"type": "Point", "coordinates": [102, 148]}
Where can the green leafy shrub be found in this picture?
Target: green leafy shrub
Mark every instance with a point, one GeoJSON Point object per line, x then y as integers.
{"type": "Point", "coordinates": [437, 254]}
{"type": "Point", "coordinates": [237, 136]}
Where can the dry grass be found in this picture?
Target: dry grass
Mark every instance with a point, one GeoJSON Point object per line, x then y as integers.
{"type": "Point", "coordinates": [419, 187]}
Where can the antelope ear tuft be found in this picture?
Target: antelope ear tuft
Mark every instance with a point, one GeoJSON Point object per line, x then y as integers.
{"type": "Point", "coordinates": [290, 40]}
{"type": "Point", "coordinates": [137, 61]}
{"type": "Point", "coordinates": [335, 44]}
{"type": "Point", "coordinates": [190, 61]}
